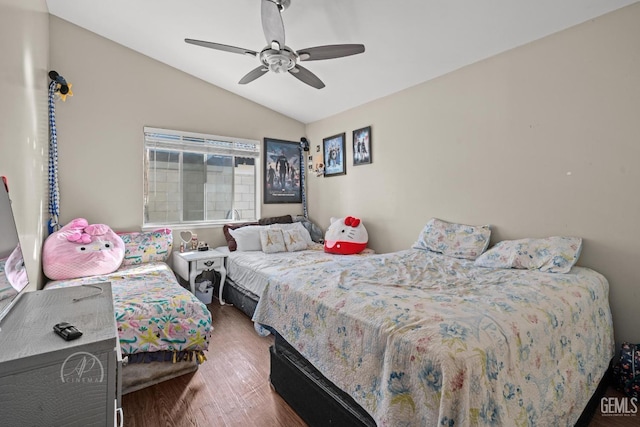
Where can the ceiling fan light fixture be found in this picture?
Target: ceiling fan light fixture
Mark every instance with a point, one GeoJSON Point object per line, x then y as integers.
{"type": "Point", "coordinates": [277, 56]}
{"type": "Point", "coordinates": [282, 4]}
{"type": "Point", "coordinates": [279, 61]}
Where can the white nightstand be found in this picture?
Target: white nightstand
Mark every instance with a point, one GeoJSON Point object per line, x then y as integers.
{"type": "Point", "coordinates": [189, 264]}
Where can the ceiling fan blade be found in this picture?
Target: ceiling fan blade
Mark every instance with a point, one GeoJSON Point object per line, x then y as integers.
{"type": "Point", "coordinates": [253, 74]}
{"type": "Point", "coordinates": [306, 76]}
{"type": "Point", "coordinates": [222, 47]}
{"type": "Point", "coordinates": [272, 24]}
{"type": "Point", "coordinates": [330, 51]}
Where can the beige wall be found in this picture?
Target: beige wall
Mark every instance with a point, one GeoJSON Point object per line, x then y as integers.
{"type": "Point", "coordinates": [537, 141]}
{"type": "Point", "coordinates": [116, 93]}
{"type": "Point", "coordinates": [24, 31]}
{"type": "Point", "coordinates": [541, 140]}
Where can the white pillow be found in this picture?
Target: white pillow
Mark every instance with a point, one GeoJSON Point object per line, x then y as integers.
{"type": "Point", "coordinates": [294, 240]}
{"type": "Point", "coordinates": [295, 226]}
{"type": "Point", "coordinates": [248, 238]}
{"type": "Point", "coordinates": [272, 241]}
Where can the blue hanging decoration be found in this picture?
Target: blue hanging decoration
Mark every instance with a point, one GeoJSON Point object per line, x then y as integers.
{"type": "Point", "coordinates": [58, 86]}
{"type": "Point", "coordinates": [54, 190]}
{"type": "Point", "coordinates": [304, 147]}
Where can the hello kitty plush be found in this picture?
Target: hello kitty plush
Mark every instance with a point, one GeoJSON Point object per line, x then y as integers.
{"type": "Point", "coordinates": [79, 250]}
{"type": "Point", "coordinates": [346, 236]}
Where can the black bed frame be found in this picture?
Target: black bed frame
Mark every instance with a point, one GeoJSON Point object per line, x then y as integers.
{"type": "Point", "coordinates": [320, 403]}
{"type": "Point", "coordinates": [241, 298]}
{"type": "Point", "coordinates": [316, 399]}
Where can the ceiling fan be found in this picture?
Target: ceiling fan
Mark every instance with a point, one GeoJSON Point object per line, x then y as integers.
{"type": "Point", "coordinates": [277, 56]}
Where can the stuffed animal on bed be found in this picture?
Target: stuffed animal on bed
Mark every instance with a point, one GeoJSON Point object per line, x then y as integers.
{"type": "Point", "coordinates": [80, 249]}
{"type": "Point", "coordinates": [346, 236]}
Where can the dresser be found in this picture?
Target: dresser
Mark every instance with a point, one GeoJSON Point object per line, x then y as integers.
{"type": "Point", "coordinates": [45, 380]}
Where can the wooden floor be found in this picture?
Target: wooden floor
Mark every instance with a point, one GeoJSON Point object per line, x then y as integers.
{"type": "Point", "coordinates": [232, 387]}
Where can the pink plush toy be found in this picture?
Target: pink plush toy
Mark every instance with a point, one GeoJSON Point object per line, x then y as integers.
{"type": "Point", "coordinates": [346, 236]}
{"type": "Point", "coordinates": [79, 249]}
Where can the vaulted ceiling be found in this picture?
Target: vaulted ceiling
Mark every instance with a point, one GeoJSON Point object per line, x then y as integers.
{"type": "Point", "coordinates": [407, 42]}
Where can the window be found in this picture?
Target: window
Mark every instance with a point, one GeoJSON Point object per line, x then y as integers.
{"type": "Point", "coordinates": [192, 178]}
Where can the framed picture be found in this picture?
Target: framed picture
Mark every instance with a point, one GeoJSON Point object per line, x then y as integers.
{"type": "Point", "coordinates": [333, 149]}
{"type": "Point", "coordinates": [362, 146]}
{"type": "Point", "coordinates": [282, 170]}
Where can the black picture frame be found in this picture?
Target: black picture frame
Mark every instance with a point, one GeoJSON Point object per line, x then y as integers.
{"type": "Point", "coordinates": [362, 146]}
{"type": "Point", "coordinates": [334, 151]}
{"type": "Point", "coordinates": [281, 176]}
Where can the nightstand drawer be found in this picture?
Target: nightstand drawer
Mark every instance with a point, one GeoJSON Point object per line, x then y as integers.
{"type": "Point", "coordinates": [208, 264]}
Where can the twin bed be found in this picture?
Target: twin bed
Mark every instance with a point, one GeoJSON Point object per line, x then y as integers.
{"type": "Point", "coordinates": [249, 272]}
{"type": "Point", "coordinates": [158, 320]}
{"type": "Point", "coordinates": [426, 337]}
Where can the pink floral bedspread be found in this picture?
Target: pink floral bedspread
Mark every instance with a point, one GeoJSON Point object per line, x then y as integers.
{"type": "Point", "coordinates": [153, 312]}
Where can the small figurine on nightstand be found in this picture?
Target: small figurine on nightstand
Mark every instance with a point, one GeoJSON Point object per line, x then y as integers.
{"type": "Point", "coordinates": [194, 242]}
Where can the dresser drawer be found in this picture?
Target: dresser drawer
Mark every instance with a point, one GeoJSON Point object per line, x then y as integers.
{"type": "Point", "coordinates": [208, 264]}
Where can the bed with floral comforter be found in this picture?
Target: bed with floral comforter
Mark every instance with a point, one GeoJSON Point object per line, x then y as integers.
{"type": "Point", "coordinates": [155, 315]}
{"type": "Point", "coordinates": [419, 338]}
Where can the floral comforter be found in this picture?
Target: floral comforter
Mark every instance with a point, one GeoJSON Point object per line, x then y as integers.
{"type": "Point", "coordinates": [153, 312]}
{"type": "Point", "coordinates": [421, 339]}
{"type": "Point", "coordinates": [252, 269]}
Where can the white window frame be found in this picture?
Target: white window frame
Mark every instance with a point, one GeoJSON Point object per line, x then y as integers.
{"type": "Point", "coordinates": [192, 142]}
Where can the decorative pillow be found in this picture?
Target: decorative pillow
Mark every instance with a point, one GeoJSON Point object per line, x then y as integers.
{"type": "Point", "coordinates": [272, 241]}
{"type": "Point", "coordinates": [295, 226]}
{"type": "Point", "coordinates": [552, 255]}
{"type": "Point", "coordinates": [454, 240]}
{"type": "Point", "coordinates": [248, 238]}
{"type": "Point", "coordinates": [284, 219]}
{"type": "Point", "coordinates": [295, 240]}
{"type": "Point", "coordinates": [316, 233]}
{"type": "Point", "coordinates": [147, 246]}
{"type": "Point", "coordinates": [79, 250]}
{"type": "Point", "coordinates": [231, 242]}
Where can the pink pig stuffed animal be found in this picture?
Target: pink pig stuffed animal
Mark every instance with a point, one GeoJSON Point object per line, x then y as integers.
{"type": "Point", "coordinates": [79, 249]}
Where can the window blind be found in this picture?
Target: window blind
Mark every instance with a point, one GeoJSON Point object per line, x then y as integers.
{"type": "Point", "coordinates": [164, 139]}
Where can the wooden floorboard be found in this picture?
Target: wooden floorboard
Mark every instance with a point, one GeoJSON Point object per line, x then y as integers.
{"type": "Point", "coordinates": [232, 388]}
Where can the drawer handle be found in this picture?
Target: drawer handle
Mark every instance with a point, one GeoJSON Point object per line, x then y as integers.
{"type": "Point", "coordinates": [209, 263]}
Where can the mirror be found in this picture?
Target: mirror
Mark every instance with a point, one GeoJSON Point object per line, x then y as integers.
{"type": "Point", "coordinates": [13, 274]}
{"type": "Point", "coordinates": [186, 236]}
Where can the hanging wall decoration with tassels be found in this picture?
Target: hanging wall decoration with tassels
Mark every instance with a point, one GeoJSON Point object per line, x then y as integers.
{"type": "Point", "coordinates": [304, 148]}
{"type": "Point", "coordinates": [58, 87]}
